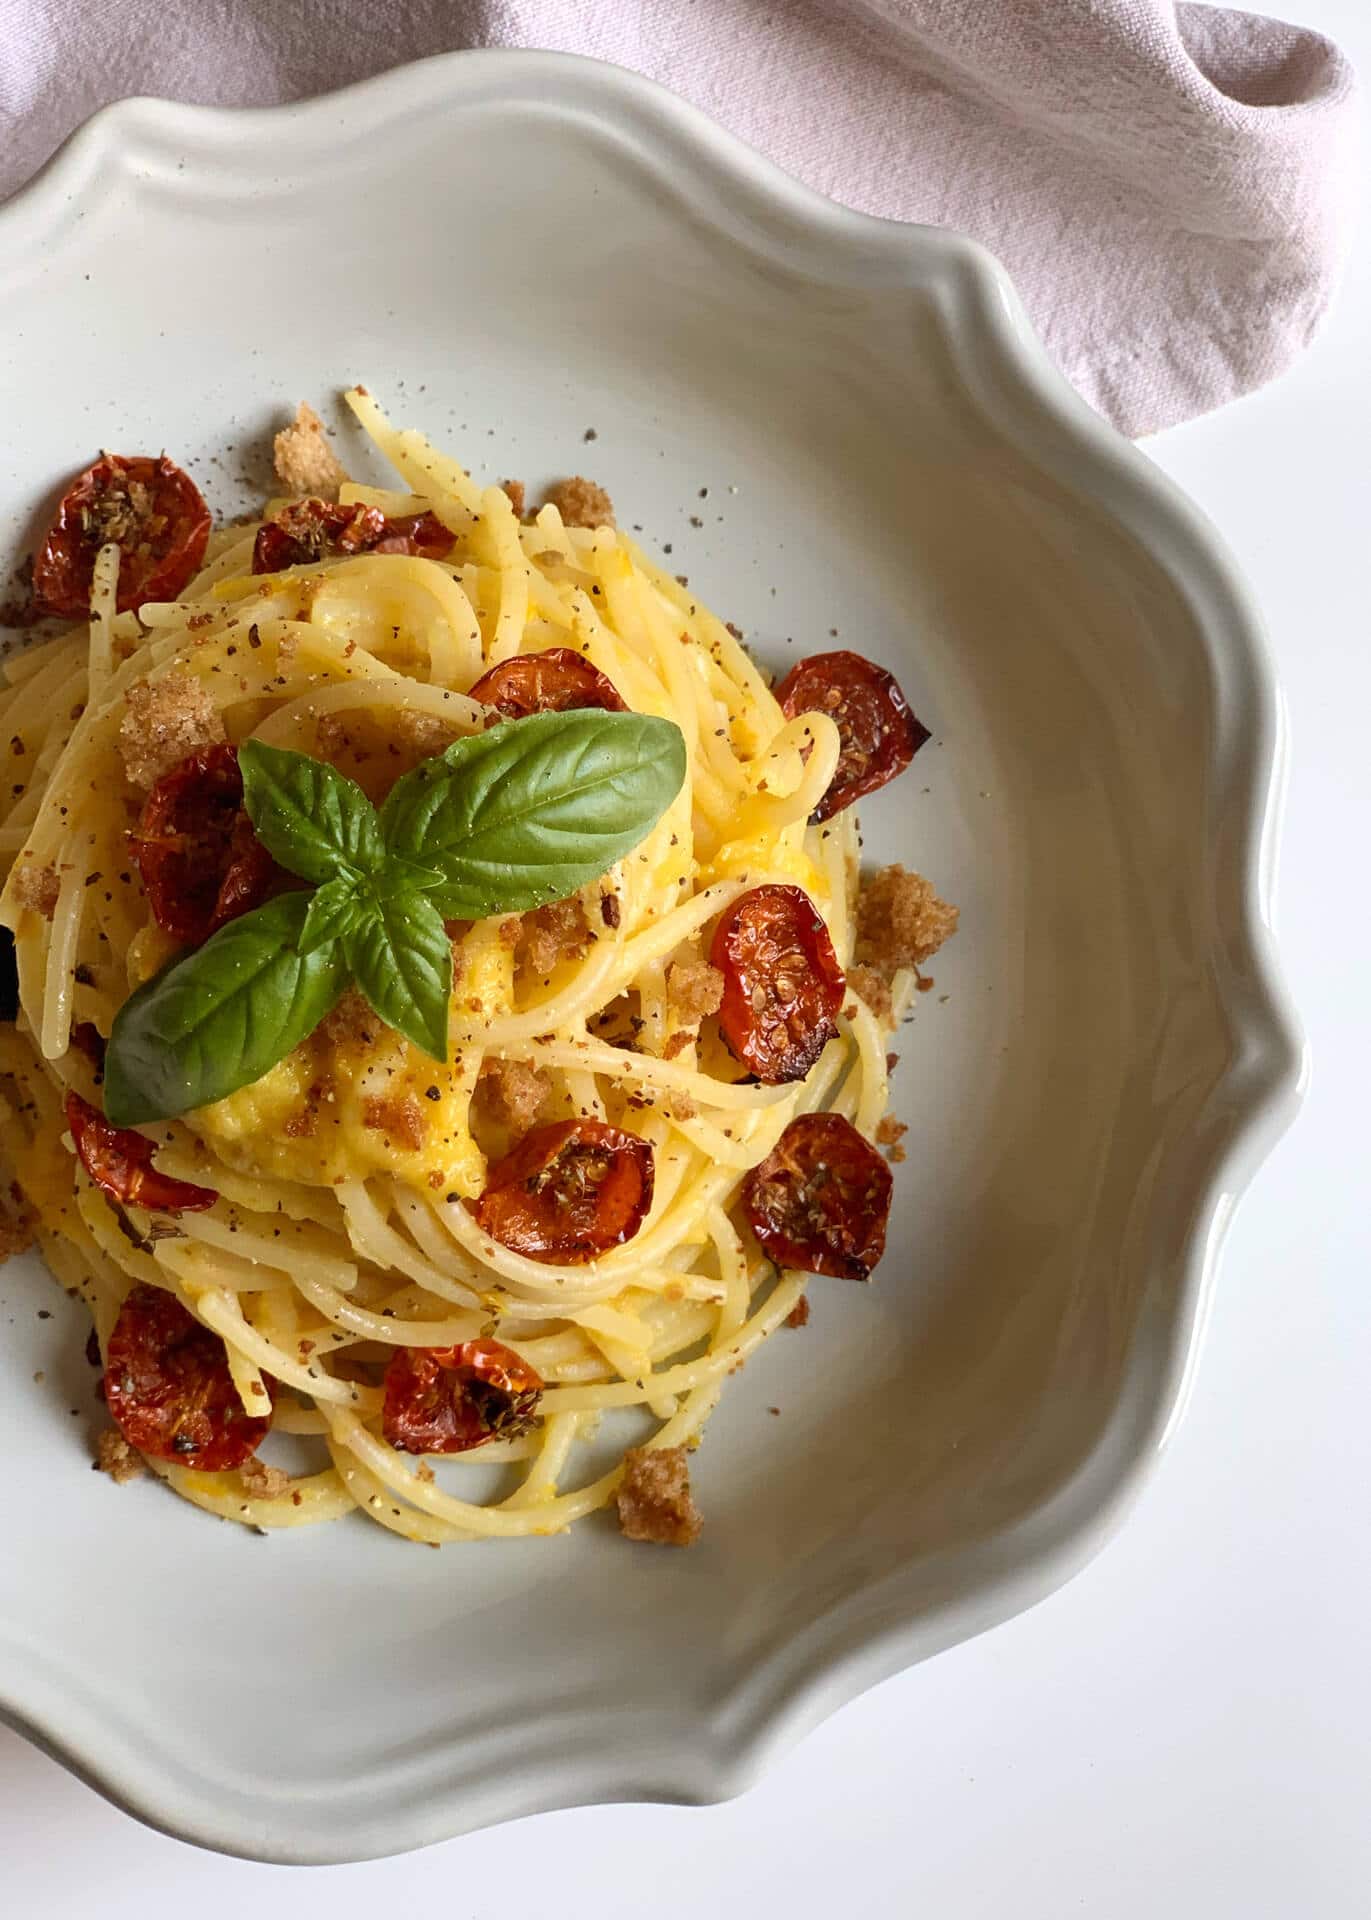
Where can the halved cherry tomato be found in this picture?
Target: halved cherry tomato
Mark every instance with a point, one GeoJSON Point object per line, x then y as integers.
{"type": "Point", "coordinates": [782, 982]}
{"type": "Point", "coordinates": [309, 530]}
{"type": "Point", "coordinates": [549, 682]}
{"type": "Point", "coordinates": [154, 513]}
{"type": "Point", "coordinates": [450, 1399]}
{"type": "Point", "coordinates": [119, 1161]}
{"type": "Point", "coordinates": [879, 734]}
{"type": "Point", "coordinates": [168, 1386]}
{"type": "Point", "coordinates": [820, 1200]}
{"type": "Point", "coordinates": [201, 863]}
{"type": "Point", "coordinates": [568, 1192]}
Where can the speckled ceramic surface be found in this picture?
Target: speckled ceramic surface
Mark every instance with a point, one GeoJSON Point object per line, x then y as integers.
{"type": "Point", "coordinates": [517, 252]}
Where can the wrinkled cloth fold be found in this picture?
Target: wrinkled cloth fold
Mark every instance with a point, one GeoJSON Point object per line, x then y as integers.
{"type": "Point", "coordinates": [1171, 186]}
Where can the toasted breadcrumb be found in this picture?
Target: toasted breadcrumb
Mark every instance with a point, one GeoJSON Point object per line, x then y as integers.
{"type": "Point", "coordinates": [515, 491]}
{"type": "Point", "coordinates": [351, 1023]}
{"type": "Point", "coordinates": [654, 1498]}
{"type": "Point", "coordinates": [550, 934]}
{"type": "Point", "coordinates": [424, 1472]}
{"type": "Point", "coordinates": [423, 734]}
{"type": "Point", "coordinates": [303, 458]}
{"type": "Point", "coordinates": [114, 1456]}
{"type": "Point", "coordinates": [37, 887]}
{"type": "Point", "coordinates": [581, 503]}
{"type": "Point", "coordinates": [869, 987]}
{"type": "Point", "coordinates": [163, 721]}
{"type": "Point", "coordinates": [679, 1106]}
{"type": "Point", "coordinates": [263, 1482]}
{"type": "Point", "coordinates": [799, 1313]}
{"type": "Point", "coordinates": [901, 922]}
{"type": "Point", "coordinates": [513, 1092]}
{"type": "Point", "coordinates": [889, 1134]}
{"type": "Point", "coordinates": [399, 1117]}
{"type": "Point", "coordinates": [693, 988]}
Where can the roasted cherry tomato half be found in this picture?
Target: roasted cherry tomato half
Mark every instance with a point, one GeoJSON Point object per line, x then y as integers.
{"type": "Point", "coordinates": [168, 1387]}
{"type": "Point", "coordinates": [782, 982]}
{"type": "Point", "coordinates": [820, 1200]}
{"type": "Point", "coordinates": [309, 530]}
{"type": "Point", "coordinates": [119, 1161]}
{"type": "Point", "coordinates": [450, 1399]}
{"type": "Point", "coordinates": [201, 863]}
{"type": "Point", "coordinates": [568, 1192]}
{"type": "Point", "coordinates": [879, 734]}
{"type": "Point", "coordinates": [150, 509]}
{"type": "Point", "coordinates": [548, 682]}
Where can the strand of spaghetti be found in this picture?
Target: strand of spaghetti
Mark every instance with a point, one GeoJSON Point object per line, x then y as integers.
{"type": "Point", "coordinates": [375, 1240]}
{"type": "Point", "coordinates": [378, 1503]}
{"type": "Point", "coordinates": [391, 1331]}
{"type": "Point", "coordinates": [503, 532]}
{"type": "Point", "coordinates": [322, 1496]}
{"type": "Point", "coordinates": [104, 587]}
{"type": "Point", "coordinates": [285, 1249]}
{"type": "Point", "coordinates": [539, 1484]}
{"type": "Point", "coordinates": [379, 695]}
{"type": "Point", "coordinates": [222, 1314]}
{"type": "Point", "coordinates": [663, 1075]}
{"type": "Point", "coordinates": [708, 1370]}
{"type": "Point", "coordinates": [441, 481]}
{"type": "Point", "coordinates": [59, 979]}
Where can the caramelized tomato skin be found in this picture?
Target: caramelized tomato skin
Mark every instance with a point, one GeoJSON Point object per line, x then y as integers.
{"type": "Point", "coordinates": [820, 1200]}
{"type": "Point", "coordinates": [169, 1390]}
{"type": "Point", "coordinates": [553, 681]}
{"type": "Point", "coordinates": [200, 861]}
{"type": "Point", "coordinates": [879, 734]}
{"type": "Point", "coordinates": [119, 1161]}
{"type": "Point", "coordinates": [783, 985]}
{"type": "Point", "coordinates": [311, 530]}
{"type": "Point", "coordinates": [450, 1399]}
{"type": "Point", "coordinates": [568, 1192]}
{"type": "Point", "coordinates": [150, 509]}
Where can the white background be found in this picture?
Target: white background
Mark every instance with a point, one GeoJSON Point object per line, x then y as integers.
{"type": "Point", "coordinates": [1186, 1729]}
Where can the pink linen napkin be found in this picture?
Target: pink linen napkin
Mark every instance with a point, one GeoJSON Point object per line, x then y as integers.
{"type": "Point", "coordinates": [1170, 185]}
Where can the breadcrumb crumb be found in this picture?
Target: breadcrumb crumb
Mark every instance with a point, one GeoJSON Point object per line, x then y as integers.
{"type": "Point", "coordinates": [515, 490]}
{"type": "Point", "coordinates": [399, 1117]}
{"type": "Point", "coordinates": [581, 503]}
{"type": "Point", "coordinates": [164, 720]}
{"type": "Point", "coordinates": [513, 1092]}
{"type": "Point", "coordinates": [37, 888]}
{"type": "Point", "coordinates": [799, 1313]}
{"type": "Point", "coordinates": [654, 1498]}
{"type": "Point", "coordinates": [263, 1482]}
{"type": "Point", "coordinates": [901, 922]}
{"type": "Point", "coordinates": [114, 1456]}
{"type": "Point", "coordinates": [550, 934]}
{"type": "Point", "coordinates": [693, 988]}
{"type": "Point", "coordinates": [889, 1134]}
{"type": "Point", "coordinates": [303, 458]}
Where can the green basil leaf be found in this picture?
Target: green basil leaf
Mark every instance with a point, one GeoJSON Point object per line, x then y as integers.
{"type": "Point", "coordinates": [218, 1018]}
{"type": "Point", "coordinates": [334, 909]}
{"type": "Point", "coordinates": [402, 960]}
{"type": "Point", "coordinates": [310, 817]}
{"type": "Point", "coordinates": [533, 809]}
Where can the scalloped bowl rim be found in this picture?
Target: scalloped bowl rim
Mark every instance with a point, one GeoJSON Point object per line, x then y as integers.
{"type": "Point", "coordinates": [717, 1753]}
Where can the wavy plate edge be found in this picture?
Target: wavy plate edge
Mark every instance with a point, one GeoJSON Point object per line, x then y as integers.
{"type": "Point", "coordinates": [718, 1754]}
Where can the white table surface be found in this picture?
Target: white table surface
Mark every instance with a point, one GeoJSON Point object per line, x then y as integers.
{"type": "Point", "coordinates": [1186, 1728]}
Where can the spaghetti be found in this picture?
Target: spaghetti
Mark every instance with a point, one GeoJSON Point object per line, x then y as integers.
{"type": "Point", "coordinates": [354, 1253]}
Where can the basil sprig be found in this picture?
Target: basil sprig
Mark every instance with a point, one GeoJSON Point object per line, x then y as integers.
{"type": "Point", "coordinates": [504, 821]}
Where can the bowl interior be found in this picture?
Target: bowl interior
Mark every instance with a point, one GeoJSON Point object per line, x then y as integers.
{"type": "Point", "coordinates": [538, 292]}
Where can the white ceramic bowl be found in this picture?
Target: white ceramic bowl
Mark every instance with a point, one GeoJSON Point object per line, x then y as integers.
{"type": "Point", "coordinates": [513, 250]}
